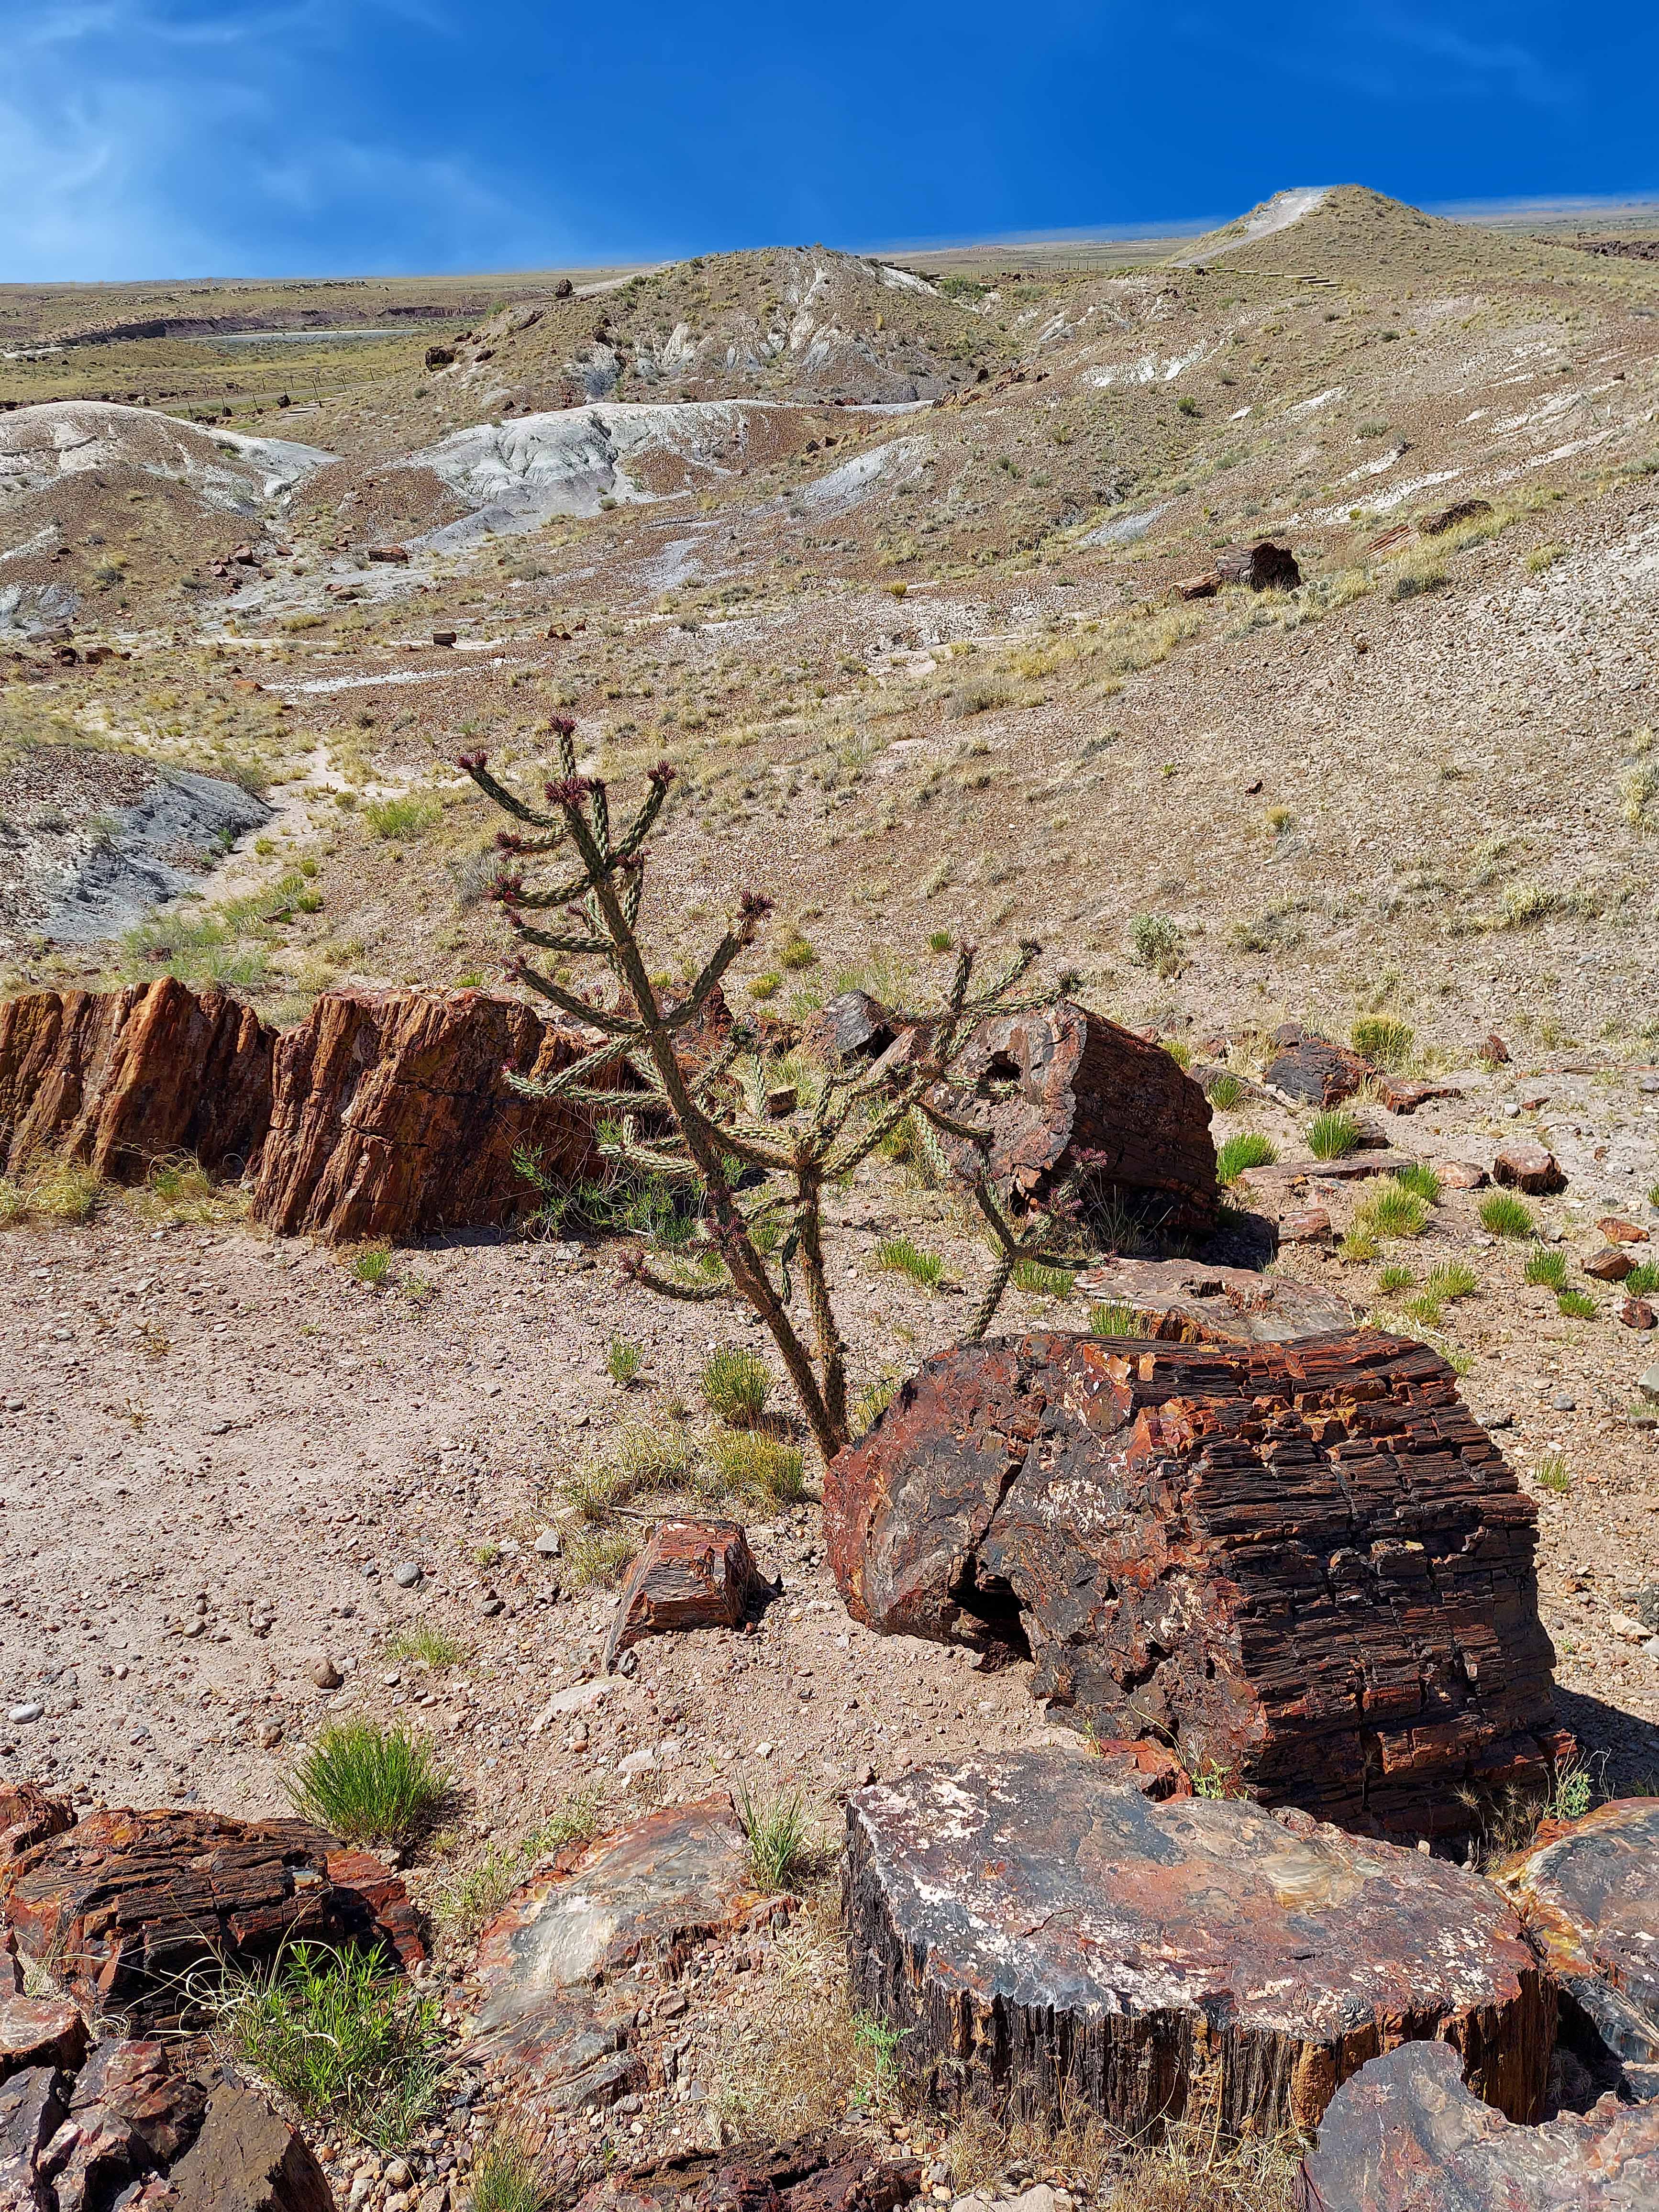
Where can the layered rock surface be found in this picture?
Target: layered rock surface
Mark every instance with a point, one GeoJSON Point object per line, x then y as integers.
{"type": "Point", "coordinates": [1305, 1564]}
{"type": "Point", "coordinates": [1036, 1932]}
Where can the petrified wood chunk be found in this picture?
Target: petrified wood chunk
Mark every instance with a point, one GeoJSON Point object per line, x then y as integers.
{"type": "Point", "coordinates": [28, 1816]}
{"type": "Point", "coordinates": [1406, 2135]}
{"type": "Point", "coordinates": [1037, 1933]}
{"type": "Point", "coordinates": [1527, 1166]}
{"type": "Point", "coordinates": [1264, 567]}
{"type": "Point", "coordinates": [123, 1905]}
{"type": "Point", "coordinates": [39, 2031]}
{"type": "Point", "coordinates": [119, 1078]}
{"type": "Point", "coordinates": [814, 2174]}
{"type": "Point", "coordinates": [1063, 1091]}
{"type": "Point", "coordinates": [851, 1025]}
{"type": "Point", "coordinates": [392, 1116]}
{"type": "Point", "coordinates": [1462, 510]}
{"type": "Point", "coordinates": [691, 1574]}
{"type": "Point", "coordinates": [1310, 1067]}
{"type": "Point", "coordinates": [1305, 1564]}
{"type": "Point", "coordinates": [1187, 1301]}
{"type": "Point", "coordinates": [1589, 1890]}
{"type": "Point", "coordinates": [247, 2158]}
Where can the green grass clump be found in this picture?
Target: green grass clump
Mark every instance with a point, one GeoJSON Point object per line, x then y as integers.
{"type": "Point", "coordinates": [1332, 1135]}
{"type": "Point", "coordinates": [1396, 1277]}
{"type": "Point", "coordinates": [1546, 1269]}
{"type": "Point", "coordinates": [775, 1829]}
{"type": "Point", "coordinates": [623, 1361]}
{"type": "Point", "coordinates": [1577, 1305]}
{"type": "Point", "coordinates": [510, 2177]}
{"type": "Point", "coordinates": [1043, 1280]}
{"type": "Point", "coordinates": [53, 1189]}
{"type": "Point", "coordinates": [1642, 1280]}
{"type": "Point", "coordinates": [1250, 1149]}
{"type": "Point", "coordinates": [754, 1466]}
{"type": "Point", "coordinates": [366, 1783]}
{"type": "Point", "coordinates": [402, 818]}
{"type": "Point", "coordinates": [766, 986]}
{"type": "Point", "coordinates": [1384, 1039]}
{"type": "Point", "coordinates": [736, 1385]}
{"type": "Point", "coordinates": [901, 1257]}
{"type": "Point", "coordinates": [939, 940]}
{"type": "Point", "coordinates": [1453, 1278]}
{"type": "Point", "coordinates": [1225, 1090]}
{"type": "Point", "coordinates": [648, 1457]}
{"type": "Point", "coordinates": [1391, 1210]}
{"type": "Point", "coordinates": [1552, 1471]}
{"type": "Point", "coordinates": [797, 953]}
{"type": "Point", "coordinates": [596, 1558]}
{"type": "Point", "coordinates": [1113, 1317]}
{"type": "Point", "coordinates": [435, 1647]}
{"type": "Point", "coordinates": [468, 1902]}
{"type": "Point", "coordinates": [1418, 1175]}
{"type": "Point", "coordinates": [1504, 1214]}
{"type": "Point", "coordinates": [371, 1264]}
{"type": "Point", "coordinates": [352, 2045]}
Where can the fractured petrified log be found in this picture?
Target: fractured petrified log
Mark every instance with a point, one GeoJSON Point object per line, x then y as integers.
{"type": "Point", "coordinates": [1305, 1564]}
{"type": "Point", "coordinates": [853, 1025]}
{"type": "Point", "coordinates": [120, 1078]}
{"type": "Point", "coordinates": [1063, 1091]}
{"type": "Point", "coordinates": [1530, 1166]}
{"type": "Point", "coordinates": [247, 2158]}
{"type": "Point", "coordinates": [1589, 1890]}
{"type": "Point", "coordinates": [1448, 518]}
{"type": "Point", "coordinates": [1038, 1934]}
{"type": "Point", "coordinates": [1264, 567]}
{"type": "Point", "coordinates": [39, 2032]}
{"type": "Point", "coordinates": [1406, 2135]}
{"type": "Point", "coordinates": [1310, 1068]}
{"type": "Point", "coordinates": [1187, 1302]}
{"type": "Point", "coordinates": [123, 1905]}
{"type": "Point", "coordinates": [690, 1574]}
{"type": "Point", "coordinates": [392, 1116]}
{"type": "Point", "coordinates": [812, 2173]}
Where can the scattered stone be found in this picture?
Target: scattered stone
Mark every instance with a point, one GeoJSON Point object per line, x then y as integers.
{"type": "Point", "coordinates": [397, 554]}
{"type": "Point", "coordinates": [1404, 2135]}
{"type": "Point", "coordinates": [852, 1026]}
{"type": "Point", "coordinates": [1186, 1302]}
{"type": "Point", "coordinates": [1610, 1265]}
{"type": "Point", "coordinates": [1460, 1175]}
{"type": "Point", "coordinates": [39, 2032]}
{"type": "Point", "coordinates": [1529, 1167]}
{"type": "Point", "coordinates": [1589, 1890]}
{"type": "Point", "coordinates": [814, 2174]}
{"type": "Point", "coordinates": [1264, 567]}
{"type": "Point", "coordinates": [1493, 1050]}
{"type": "Point", "coordinates": [443, 637]}
{"type": "Point", "coordinates": [1448, 518]}
{"type": "Point", "coordinates": [1617, 1230]}
{"type": "Point", "coordinates": [1205, 586]}
{"type": "Point", "coordinates": [1309, 1224]}
{"type": "Point", "coordinates": [22, 1715]}
{"type": "Point", "coordinates": [407, 1574]}
{"type": "Point", "coordinates": [1303, 1565]}
{"type": "Point", "coordinates": [1312, 1070]}
{"type": "Point", "coordinates": [1400, 1097]}
{"type": "Point", "coordinates": [1563, 1401]}
{"type": "Point", "coordinates": [690, 1574]}
{"type": "Point", "coordinates": [123, 1905]}
{"type": "Point", "coordinates": [1039, 1934]}
{"type": "Point", "coordinates": [1648, 1384]}
{"type": "Point", "coordinates": [327, 1675]}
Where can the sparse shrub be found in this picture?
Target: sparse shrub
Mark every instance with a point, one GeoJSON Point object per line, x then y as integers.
{"type": "Point", "coordinates": [1546, 1269]}
{"type": "Point", "coordinates": [775, 1830]}
{"type": "Point", "coordinates": [510, 2177]}
{"type": "Point", "coordinates": [1453, 1278]}
{"type": "Point", "coordinates": [1544, 556]}
{"type": "Point", "coordinates": [765, 987]}
{"type": "Point", "coordinates": [595, 1558]}
{"type": "Point", "coordinates": [405, 818]}
{"type": "Point", "coordinates": [371, 1264]}
{"type": "Point", "coordinates": [53, 1189]}
{"type": "Point", "coordinates": [1113, 1317]}
{"type": "Point", "coordinates": [1332, 1135]}
{"type": "Point", "coordinates": [1360, 1246]}
{"type": "Point", "coordinates": [1641, 1280]}
{"type": "Point", "coordinates": [1504, 1214]}
{"type": "Point", "coordinates": [1158, 944]}
{"type": "Point", "coordinates": [979, 696]}
{"type": "Point", "coordinates": [939, 940]}
{"type": "Point", "coordinates": [1639, 790]}
{"type": "Point", "coordinates": [648, 1457]}
{"type": "Point", "coordinates": [1384, 1039]}
{"type": "Point", "coordinates": [1248, 1149]}
{"type": "Point", "coordinates": [758, 1467]}
{"type": "Point", "coordinates": [623, 1361]}
{"type": "Point", "coordinates": [900, 1256]}
{"type": "Point", "coordinates": [736, 1385]}
{"type": "Point", "coordinates": [1225, 1090]}
{"type": "Point", "coordinates": [1395, 1278]}
{"type": "Point", "coordinates": [872, 1402]}
{"type": "Point", "coordinates": [1577, 1305]}
{"type": "Point", "coordinates": [367, 1783]}
{"type": "Point", "coordinates": [1524, 904]}
{"type": "Point", "coordinates": [1179, 1051]}
{"type": "Point", "coordinates": [1418, 573]}
{"type": "Point", "coordinates": [797, 953]}
{"type": "Point", "coordinates": [463, 1905]}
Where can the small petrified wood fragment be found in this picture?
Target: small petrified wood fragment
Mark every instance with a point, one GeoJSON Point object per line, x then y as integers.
{"type": "Point", "coordinates": [1589, 1890]}
{"type": "Point", "coordinates": [690, 1574]}
{"type": "Point", "coordinates": [1039, 1934]}
{"type": "Point", "coordinates": [1406, 2135]}
{"type": "Point", "coordinates": [1304, 1563]}
{"type": "Point", "coordinates": [1189, 1302]}
{"type": "Point", "coordinates": [124, 1905]}
{"type": "Point", "coordinates": [1310, 1067]}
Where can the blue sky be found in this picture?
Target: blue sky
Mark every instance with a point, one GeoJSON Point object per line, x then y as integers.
{"type": "Point", "coordinates": [177, 137]}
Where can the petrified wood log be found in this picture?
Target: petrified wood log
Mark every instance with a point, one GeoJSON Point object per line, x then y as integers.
{"type": "Point", "coordinates": [119, 1078]}
{"type": "Point", "coordinates": [1305, 1564]}
{"type": "Point", "coordinates": [123, 1905]}
{"type": "Point", "coordinates": [1310, 1067]}
{"type": "Point", "coordinates": [1264, 567]}
{"type": "Point", "coordinates": [1039, 1934]}
{"type": "Point", "coordinates": [1589, 1890]}
{"type": "Point", "coordinates": [1064, 1091]}
{"type": "Point", "coordinates": [1528, 1166]}
{"type": "Point", "coordinates": [690, 1574]}
{"type": "Point", "coordinates": [392, 1116]}
{"type": "Point", "coordinates": [1186, 1302]}
{"type": "Point", "coordinates": [247, 2158]}
{"type": "Point", "coordinates": [1406, 2135]}
{"type": "Point", "coordinates": [813, 2173]}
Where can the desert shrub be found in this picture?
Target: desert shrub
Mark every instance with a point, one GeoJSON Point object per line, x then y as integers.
{"type": "Point", "coordinates": [901, 1257]}
{"type": "Point", "coordinates": [754, 1466]}
{"type": "Point", "coordinates": [1333, 1134]}
{"type": "Point", "coordinates": [595, 1558]}
{"type": "Point", "coordinates": [1523, 904]}
{"type": "Point", "coordinates": [51, 1189]}
{"type": "Point", "coordinates": [371, 1263]}
{"type": "Point", "coordinates": [1113, 1317]}
{"type": "Point", "coordinates": [939, 940]}
{"type": "Point", "coordinates": [646, 1457]}
{"type": "Point", "coordinates": [1248, 1149]}
{"type": "Point", "coordinates": [623, 1361]}
{"type": "Point", "coordinates": [434, 1647]}
{"type": "Point", "coordinates": [1552, 1471]}
{"type": "Point", "coordinates": [464, 1904]}
{"type": "Point", "coordinates": [978, 695]}
{"type": "Point", "coordinates": [1504, 1214]}
{"type": "Point", "coordinates": [406, 817]}
{"type": "Point", "coordinates": [872, 1401]}
{"type": "Point", "coordinates": [766, 986]}
{"type": "Point", "coordinates": [1546, 1269]}
{"type": "Point", "coordinates": [510, 2177]}
{"type": "Point", "coordinates": [775, 1830]}
{"type": "Point", "coordinates": [366, 1783]}
{"type": "Point", "coordinates": [352, 2045]}
{"type": "Point", "coordinates": [1384, 1039]}
{"type": "Point", "coordinates": [1577, 1305]}
{"type": "Point", "coordinates": [736, 1385]}
{"type": "Point", "coordinates": [1452, 1278]}
{"type": "Point", "coordinates": [1395, 1278]}
{"type": "Point", "coordinates": [1642, 1280]}
{"type": "Point", "coordinates": [1158, 944]}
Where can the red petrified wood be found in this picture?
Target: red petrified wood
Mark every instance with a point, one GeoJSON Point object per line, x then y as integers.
{"type": "Point", "coordinates": [1304, 1563]}
{"type": "Point", "coordinates": [691, 1574]}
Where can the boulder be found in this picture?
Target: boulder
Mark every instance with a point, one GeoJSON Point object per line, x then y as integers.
{"type": "Point", "coordinates": [120, 1078]}
{"type": "Point", "coordinates": [1589, 1890]}
{"type": "Point", "coordinates": [1527, 1166]}
{"type": "Point", "coordinates": [1264, 567]}
{"type": "Point", "coordinates": [124, 1905]}
{"type": "Point", "coordinates": [1188, 1301]}
{"type": "Point", "coordinates": [1402, 1097]}
{"type": "Point", "coordinates": [1063, 1092]}
{"type": "Point", "coordinates": [1306, 1225]}
{"type": "Point", "coordinates": [392, 1118]}
{"type": "Point", "coordinates": [1039, 1934]}
{"type": "Point", "coordinates": [1404, 2135]}
{"type": "Point", "coordinates": [690, 1574]}
{"type": "Point", "coordinates": [852, 1026]}
{"type": "Point", "coordinates": [1360, 1166]}
{"type": "Point", "coordinates": [247, 2158]}
{"type": "Point", "coordinates": [1305, 1564]}
{"type": "Point", "coordinates": [1312, 1070]}
{"type": "Point", "coordinates": [550, 2018]}
{"type": "Point", "coordinates": [39, 2032]}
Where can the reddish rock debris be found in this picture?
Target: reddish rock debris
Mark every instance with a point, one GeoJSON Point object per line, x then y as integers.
{"type": "Point", "coordinates": [1034, 1932]}
{"type": "Point", "coordinates": [1620, 1232]}
{"type": "Point", "coordinates": [1264, 567]}
{"type": "Point", "coordinates": [1185, 1302]}
{"type": "Point", "coordinates": [1305, 1564]}
{"type": "Point", "coordinates": [1636, 1313]}
{"type": "Point", "coordinates": [1310, 1068]}
{"type": "Point", "coordinates": [39, 2032]}
{"type": "Point", "coordinates": [815, 2173]}
{"type": "Point", "coordinates": [1610, 1265]}
{"type": "Point", "coordinates": [1526, 1166]}
{"type": "Point", "coordinates": [690, 1574]}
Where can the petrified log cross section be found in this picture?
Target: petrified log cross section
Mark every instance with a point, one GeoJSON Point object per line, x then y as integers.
{"type": "Point", "coordinates": [1305, 1564]}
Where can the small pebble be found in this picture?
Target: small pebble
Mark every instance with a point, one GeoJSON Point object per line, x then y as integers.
{"type": "Point", "coordinates": [406, 1574]}
{"type": "Point", "coordinates": [327, 1675]}
{"type": "Point", "coordinates": [19, 1716]}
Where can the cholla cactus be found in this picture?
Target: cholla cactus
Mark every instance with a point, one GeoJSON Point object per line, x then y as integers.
{"type": "Point", "coordinates": [712, 1125]}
